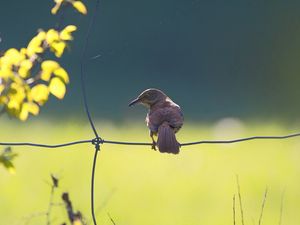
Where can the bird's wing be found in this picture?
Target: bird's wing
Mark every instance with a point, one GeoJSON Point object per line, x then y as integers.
{"type": "Point", "coordinates": [170, 114]}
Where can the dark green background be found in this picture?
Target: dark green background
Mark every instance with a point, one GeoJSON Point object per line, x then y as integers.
{"type": "Point", "coordinates": [214, 58]}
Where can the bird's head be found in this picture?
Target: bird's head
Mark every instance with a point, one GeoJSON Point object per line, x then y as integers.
{"type": "Point", "coordinates": [149, 97]}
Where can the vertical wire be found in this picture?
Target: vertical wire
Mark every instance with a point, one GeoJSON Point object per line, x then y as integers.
{"type": "Point", "coordinates": [92, 187]}
{"type": "Point", "coordinates": [97, 146]}
{"type": "Point", "coordinates": [82, 69]}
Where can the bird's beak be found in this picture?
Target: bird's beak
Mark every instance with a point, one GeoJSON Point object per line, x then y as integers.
{"type": "Point", "coordinates": [137, 100]}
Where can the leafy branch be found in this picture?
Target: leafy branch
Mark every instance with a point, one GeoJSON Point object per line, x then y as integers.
{"type": "Point", "coordinates": [27, 78]}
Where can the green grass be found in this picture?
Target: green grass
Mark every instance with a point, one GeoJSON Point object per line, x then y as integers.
{"type": "Point", "coordinates": [138, 186]}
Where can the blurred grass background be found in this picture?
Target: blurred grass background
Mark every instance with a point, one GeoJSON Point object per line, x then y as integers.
{"type": "Point", "coordinates": [136, 185]}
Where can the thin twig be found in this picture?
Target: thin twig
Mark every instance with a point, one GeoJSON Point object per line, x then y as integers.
{"type": "Point", "coordinates": [240, 199]}
{"type": "Point", "coordinates": [263, 206]}
{"type": "Point", "coordinates": [54, 185]}
{"type": "Point", "coordinates": [111, 219]}
{"type": "Point", "coordinates": [74, 216]}
{"type": "Point", "coordinates": [233, 209]}
{"type": "Point", "coordinates": [48, 213]}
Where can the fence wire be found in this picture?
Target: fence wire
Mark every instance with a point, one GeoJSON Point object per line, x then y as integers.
{"type": "Point", "coordinates": [97, 138]}
{"type": "Point", "coordinates": [97, 141]}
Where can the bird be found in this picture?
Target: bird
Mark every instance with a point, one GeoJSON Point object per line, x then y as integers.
{"type": "Point", "coordinates": [164, 119]}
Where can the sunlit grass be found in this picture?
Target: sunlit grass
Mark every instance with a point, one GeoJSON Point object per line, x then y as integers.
{"type": "Point", "coordinates": [137, 185]}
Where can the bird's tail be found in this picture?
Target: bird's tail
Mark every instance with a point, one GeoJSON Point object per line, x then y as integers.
{"type": "Point", "coordinates": [166, 140]}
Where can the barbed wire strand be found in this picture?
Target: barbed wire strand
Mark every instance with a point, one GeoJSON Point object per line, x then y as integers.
{"type": "Point", "coordinates": [97, 143]}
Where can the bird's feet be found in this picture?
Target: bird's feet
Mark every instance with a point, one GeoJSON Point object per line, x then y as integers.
{"type": "Point", "coordinates": [153, 145]}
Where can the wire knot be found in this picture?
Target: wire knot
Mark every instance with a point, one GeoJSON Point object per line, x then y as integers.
{"type": "Point", "coordinates": [97, 141]}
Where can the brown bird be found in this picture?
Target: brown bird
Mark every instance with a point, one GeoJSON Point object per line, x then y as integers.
{"type": "Point", "coordinates": [163, 119]}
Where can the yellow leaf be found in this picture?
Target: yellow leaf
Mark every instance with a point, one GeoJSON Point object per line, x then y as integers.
{"type": "Point", "coordinates": [58, 48]}
{"type": "Point", "coordinates": [48, 67]}
{"type": "Point", "coordinates": [31, 107]}
{"type": "Point", "coordinates": [25, 66]}
{"type": "Point", "coordinates": [57, 87]}
{"type": "Point", "coordinates": [35, 45]}
{"type": "Point", "coordinates": [6, 72]}
{"type": "Point", "coordinates": [55, 9]}
{"type": "Point", "coordinates": [80, 7]}
{"type": "Point", "coordinates": [60, 72]}
{"type": "Point", "coordinates": [52, 36]}
{"type": "Point", "coordinates": [23, 115]}
{"type": "Point", "coordinates": [23, 72]}
{"type": "Point", "coordinates": [66, 33]}
{"type": "Point", "coordinates": [70, 28]}
{"type": "Point", "coordinates": [23, 50]}
{"type": "Point", "coordinates": [66, 36]}
{"type": "Point", "coordinates": [41, 35]}
{"type": "Point", "coordinates": [26, 63]}
{"type": "Point", "coordinates": [19, 81]}
{"type": "Point", "coordinates": [11, 51]}
{"type": "Point", "coordinates": [12, 57]}
{"type": "Point", "coordinates": [40, 93]}
{"type": "Point", "coordinates": [46, 75]}
{"type": "Point", "coordinates": [17, 92]}
{"type": "Point", "coordinates": [13, 105]}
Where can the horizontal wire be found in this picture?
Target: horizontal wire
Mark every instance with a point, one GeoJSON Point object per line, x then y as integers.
{"type": "Point", "coordinates": [101, 141]}
{"type": "Point", "coordinates": [241, 139]}
{"type": "Point", "coordinates": [208, 142]}
{"type": "Point", "coordinates": [44, 145]}
{"type": "Point", "coordinates": [125, 142]}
